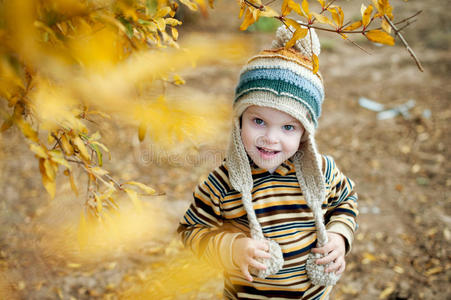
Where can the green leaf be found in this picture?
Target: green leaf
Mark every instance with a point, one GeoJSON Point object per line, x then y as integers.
{"type": "Point", "coordinates": [98, 153]}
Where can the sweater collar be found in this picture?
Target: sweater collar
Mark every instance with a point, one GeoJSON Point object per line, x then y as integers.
{"type": "Point", "coordinates": [286, 167]}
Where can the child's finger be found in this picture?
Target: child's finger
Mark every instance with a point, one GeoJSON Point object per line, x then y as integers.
{"type": "Point", "coordinates": [325, 249]}
{"type": "Point", "coordinates": [333, 267]}
{"type": "Point", "coordinates": [262, 254]}
{"type": "Point", "coordinates": [246, 273]}
{"type": "Point", "coordinates": [328, 258]}
{"type": "Point", "coordinates": [262, 245]}
{"type": "Point", "coordinates": [256, 264]}
{"type": "Point", "coordinates": [342, 268]}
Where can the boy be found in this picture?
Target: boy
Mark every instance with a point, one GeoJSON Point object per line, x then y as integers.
{"type": "Point", "coordinates": [275, 208]}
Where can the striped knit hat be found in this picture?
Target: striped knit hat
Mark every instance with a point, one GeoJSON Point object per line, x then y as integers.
{"type": "Point", "coordinates": [283, 79]}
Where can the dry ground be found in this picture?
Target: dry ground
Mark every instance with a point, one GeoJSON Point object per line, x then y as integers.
{"type": "Point", "coordinates": [401, 169]}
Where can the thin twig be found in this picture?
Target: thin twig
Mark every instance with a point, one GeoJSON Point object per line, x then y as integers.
{"type": "Point", "coordinates": [408, 18]}
{"type": "Point", "coordinates": [114, 181]}
{"type": "Point", "coordinates": [405, 20]}
{"type": "Point", "coordinates": [397, 33]}
{"type": "Point", "coordinates": [323, 9]}
{"type": "Point", "coordinates": [254, 6]}
{"type": "Point", "coordinates": [407, 24]}
{"type": "Point", "coordinates": [358, 46]}
{"type": "Point", "coordinates": [328, 5]}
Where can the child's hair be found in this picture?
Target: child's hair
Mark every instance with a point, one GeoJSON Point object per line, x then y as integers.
{"type": "Point", "coordinates": [283, 79]}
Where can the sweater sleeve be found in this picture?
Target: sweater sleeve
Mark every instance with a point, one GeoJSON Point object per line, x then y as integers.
{"type": "Point", "coordinates": [204, 230]}
{"type": "Point", "coordinates": [342, 210]}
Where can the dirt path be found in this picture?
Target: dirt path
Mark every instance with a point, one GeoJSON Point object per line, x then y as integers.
{"type": "Point", "coordinates": [401, 167]}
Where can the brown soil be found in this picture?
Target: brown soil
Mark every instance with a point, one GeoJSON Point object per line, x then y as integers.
{"type": "Point", "coordinates": [401, 167]}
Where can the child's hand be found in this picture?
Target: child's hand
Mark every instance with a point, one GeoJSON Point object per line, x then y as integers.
{"type": "Point", "coordinates": [334, 252]}
{"type": "Point", "coordinates": [245, 252]}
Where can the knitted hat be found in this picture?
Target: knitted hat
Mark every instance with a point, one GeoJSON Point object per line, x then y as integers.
{"type": "Point", "coordinates": [283, 79]}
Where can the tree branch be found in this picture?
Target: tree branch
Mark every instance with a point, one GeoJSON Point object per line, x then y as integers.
{"type": "Point", "coordinates": [397, 33]}
{"type": "Point", "coordinates": [407, 24]}
{"type": "Point", "coordinates": [254, 5]}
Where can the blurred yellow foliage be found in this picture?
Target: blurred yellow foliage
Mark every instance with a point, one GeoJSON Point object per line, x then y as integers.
{"type": "Point", "coordinates": [63, 60]}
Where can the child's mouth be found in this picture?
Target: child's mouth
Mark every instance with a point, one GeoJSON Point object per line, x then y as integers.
{"type": "Point", "coordinates": [267, 152]}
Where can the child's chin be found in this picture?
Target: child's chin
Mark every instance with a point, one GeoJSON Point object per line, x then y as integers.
{"type": "Point", "coordinates": [268, 166]}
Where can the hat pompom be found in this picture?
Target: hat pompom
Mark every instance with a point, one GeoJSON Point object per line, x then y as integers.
{"type": "Point", "coordinates": [317, 273]}
{"type": "Point", "coordinates": [304, 45]}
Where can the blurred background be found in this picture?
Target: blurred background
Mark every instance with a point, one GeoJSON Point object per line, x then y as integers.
{"type": "Point", "coordinates": [399, 161]}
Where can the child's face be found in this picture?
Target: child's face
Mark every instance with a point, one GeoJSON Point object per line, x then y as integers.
{"type": "Point", "coordinates": [270, 136]}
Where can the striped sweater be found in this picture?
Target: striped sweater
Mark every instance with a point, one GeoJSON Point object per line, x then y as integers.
{"type": "Point", "coordinates": [216, 217]}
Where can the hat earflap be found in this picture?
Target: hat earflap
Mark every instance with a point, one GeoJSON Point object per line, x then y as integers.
{"type": "Point", "coordinates": [308, 171]}
{"type": "Point", "coordinates": [240, 176]}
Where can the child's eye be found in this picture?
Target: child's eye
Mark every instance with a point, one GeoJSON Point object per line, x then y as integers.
{"type": "Point", "coordinates": [288, 127]}
{"type": "Point", "coordinates": [259, 121]}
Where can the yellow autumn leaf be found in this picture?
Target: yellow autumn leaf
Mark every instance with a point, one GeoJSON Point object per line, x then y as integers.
{"type": "Point", "coordinates": [98, 171]}
{"type": "Point", "coordinates": [145, 188]}
{"type": "Point", "coordinates": [49, 169]}
{"type": "Point", "coordinates": [191, 5]}
{"type": "Point", "coordinates": [142, 129]}
{"type": "Point", "coordinates": [386, 292]}
{"type": "Point", "coordinates": [243, 8]}
{"type": "Point", "coordinates": [379, 36]}
{"type": "Point", "coordinates": [161, 24]}
{"type": "Point", "coordinates": [362, 9]}
{"type": "Point", "coordinates": [377, 5]}
{"type": "Point", "coordinates": [26, 129]}
{"type": "Point", "coordinates": [293, 23]}
{"type": "Point", "coordinates": [386, 8]}
{"type": "Point", "coordinates": [175, 33]}
{"type": "Point", "coordinates": [385, 26]}
{"type": "Point", "coordinates": [323, 19]}
{"type": "Point", "coordinates": [7, 124]}
{"type": "Point", "coordinates": [353, 26]}
{"type": "Point", "coordinates": [39, 150]}
{"type": "Point", "coordinates": [172, 22]}
{"type": "Point", "coordinates": [101, 146]}
{"type": "Point", "coordinates": [322, 3]}
{"type": "Point", "coordinates": [286, 9]}
{"type": "Point", "coordinates": [315, 63]}
{"type": "Point", "coordinates": [434, 270]}
{"type": "Point", "coordinates": [298, 34]}
{"type": "Point", "coordinates": [337, 14]}
{"type": "Point", "coordinates": [248, 20]}
{"type": "Point", "coordinates": [99, 205]}
{"type": "Point", "coordinates": [305, 8]}
{"type": "Point", "coordinates": [178, 80]}
{"type": "Point", "coordinates": [134, 198]}
{"type": "Point", "coordinates": [81, 147]}
{"type": "Point", "coordinates": [58, 157]}
{"type": "Point", "coordinates": [366, 16]}
{"type": "Point", "coordinates": [73, 265]}
{"type": "Point", "coordinates": [162, 12]}
{"type": "Point", "coordinates": [268, 12]}
{"type": "Point", "coordinates": [72, 181]}
{"type": "Point", "coordinates": [67, 147]}
{"type": "Point", "coordinates": [296, 7]}
{"type": "Point", "coordinates": [368, 257]}
{"type": "Point", "coordinates": [49, 184]}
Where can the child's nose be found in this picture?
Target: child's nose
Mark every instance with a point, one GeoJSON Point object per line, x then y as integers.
{"type": "Point", "coordinates": [271, 136]}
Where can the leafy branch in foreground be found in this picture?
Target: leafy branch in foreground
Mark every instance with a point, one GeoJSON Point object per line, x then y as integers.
{"type": "Point", "coordinates": [380, 11]}
{"type": "Point", "coordinates": [66, 64]}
